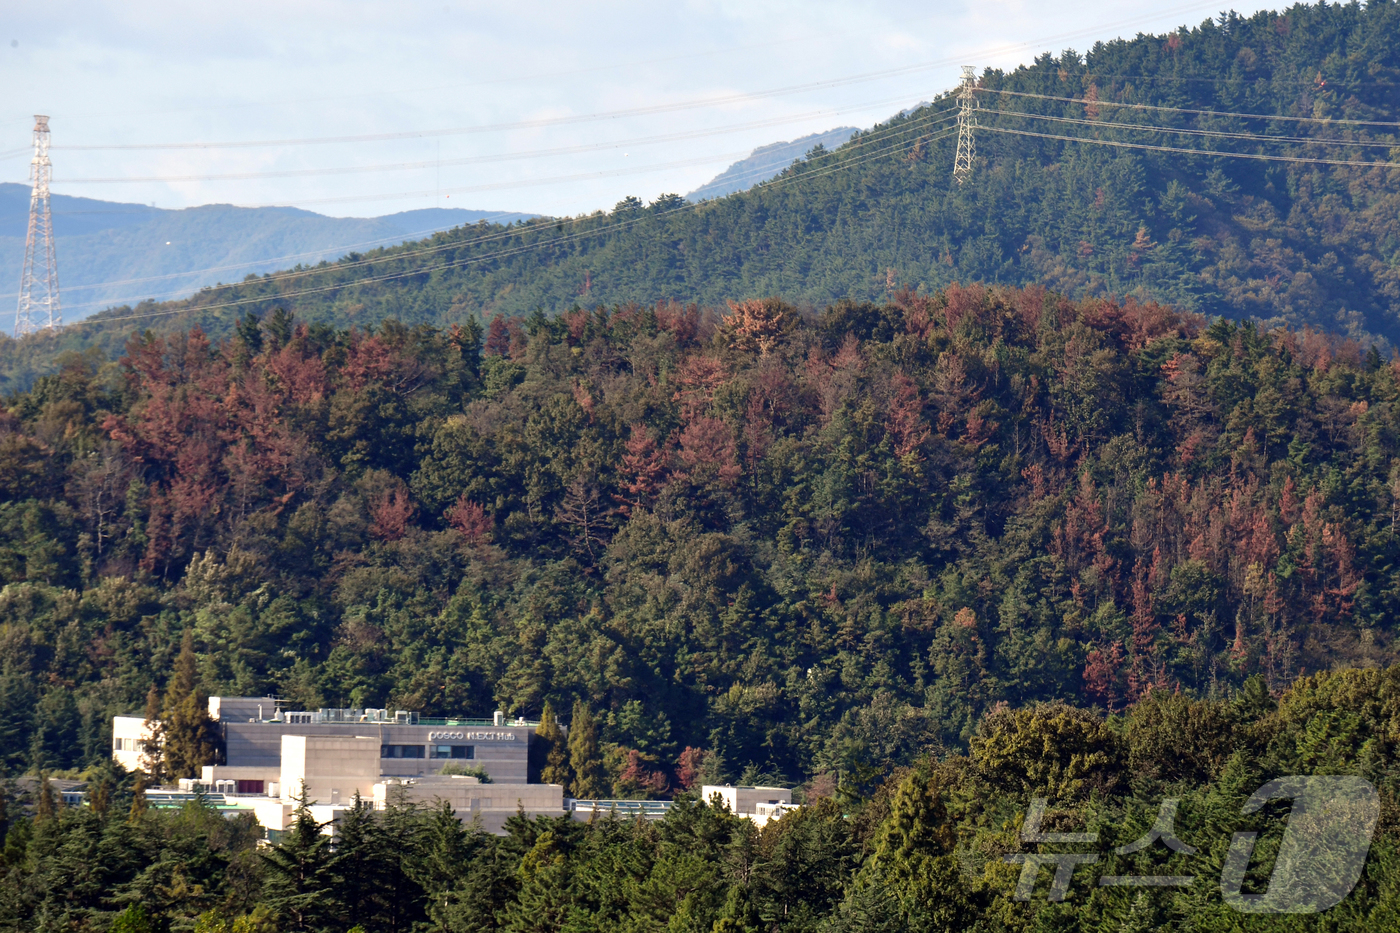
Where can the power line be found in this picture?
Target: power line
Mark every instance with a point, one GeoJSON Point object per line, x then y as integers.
{"type": "Point", "coordinates": [743, 176]}
{"type": "Point", "coordinates": [420, 193]}
{"type": "Point", "coordinates": [698, 160]}
{"type": "Point", "coordinates": [1200, 152]}
{"type": "Point", "coordinates": [469, 243]}
{"type": "Point", "coordinates": [838, 166]}
{"type": "Point", "coordinates": [849, 162]}
{"type": "Point", "coordinates": [499, 157]}
{"type": "Point", "coordinates": [536, 182]}
{"type": "Point", "coordinates": [988, 52]}
{"type": "Point", "coordinates": [1181, 150]}
{"type": "Point", "coordinates": [678, 106]}
{"type": "Point", "coordinates": [364, 244]}
{"type": "Point", "coordinates": [856, 144]}
{"type": "Point", "coordinates": [1186, 131]}
{"type": "Point", "coordinates": [1207, 113]}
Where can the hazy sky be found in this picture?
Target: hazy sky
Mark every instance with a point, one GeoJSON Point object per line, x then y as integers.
{"type": "Point", "coordinates": [720, 77]}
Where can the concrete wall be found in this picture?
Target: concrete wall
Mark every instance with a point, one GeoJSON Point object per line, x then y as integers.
{"type": "Point", "coordinates": [332, 768]}
{"type": "Point", "coordinates": [490, 805]}
{"type": "Point", "coordinates": [502, 752]}
{"type": "Point", "coordinates": [743, 800]}
{"type": "Point", "coordinates": [241, 709]}
{"type": "Point", "coordinates": [129, 734]}
{"type": "Point", "coordinates": [272, 812]}
{"type": "Point", "coordinates": [225, 773]}
{"type": "Point", "coordinates": [484, 805]}
{"type": "Point", "coordinates": [270, 777]}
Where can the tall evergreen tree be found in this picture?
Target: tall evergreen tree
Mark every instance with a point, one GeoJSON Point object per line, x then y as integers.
{"type": "Point", "coordinates": [446, 851]}
{"type": "Point", "coordinates": [550, 752]}
{"type": "Point", "coordinates": [357, 865]}
{"type": "Point", "coordinates": [300, 881]}
{"type": "Point", "coordinates": [191, 735]}
{"type": "Point", "coordinates": [401, 825]}
{"type": "Point", "coordinates": [585, 757]}
{"type": "Point", "coordinates": [16, 717]}
{"type": "Point", "coordinates": [152, 744]}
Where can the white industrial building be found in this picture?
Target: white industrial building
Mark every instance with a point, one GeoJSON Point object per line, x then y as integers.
{"type": "Point", "coordinates": [409, 745]}
{"type": "Point", "coordinates": [332, 755]}
{"type": "Point", "coordinates": [335, 754]}
{"type": "Point", "coordinates": [333, 770]}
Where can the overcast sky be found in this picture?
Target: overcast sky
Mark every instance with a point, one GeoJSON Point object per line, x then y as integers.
{"type": "Point", "coordinates": [440, 78]}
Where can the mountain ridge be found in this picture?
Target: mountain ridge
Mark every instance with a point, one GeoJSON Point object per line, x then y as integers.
{"type": "Point", "coordinates": [177, 252]}
{"type": "Point", "coordinates": [1277, 242]}
{"type": "Point", "coordinates": [767, 161]}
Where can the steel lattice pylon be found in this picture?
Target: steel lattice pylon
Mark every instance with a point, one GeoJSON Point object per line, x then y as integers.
{"type": "Point", "coordinates": [967, 122]}
{"type": "Point", "coordinates": [38, 284]}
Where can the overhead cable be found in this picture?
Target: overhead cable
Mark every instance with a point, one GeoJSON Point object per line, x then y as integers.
{"type": "Point", "coordinates": [1187, 131]}
{"type": "Point", "coordinates": [644, 111]}
{"type": "Point", "coordinates": [1207, 113]}
{"type": "Point", "coordinates": [857, 143]}
{"type": "Point", "coordinates": [233, 266]}
{"type": "Point", "coordinates": [693, 104]}
{"type": "Point", "coordinates": [1209, 153]}
{"type": "Point", "coordinates": [498, 157]}
{"type": "Point", "coordinates": [839, 165]}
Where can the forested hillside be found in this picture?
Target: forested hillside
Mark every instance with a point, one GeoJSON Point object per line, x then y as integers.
{"type": "Point", "coordinates": [925, 851]}
{"type": "Point", "coordinates": [781, 544]}
{"type": "Point", "coordinates": [1285, 242]}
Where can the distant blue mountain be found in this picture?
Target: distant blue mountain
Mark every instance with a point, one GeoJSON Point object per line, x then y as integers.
{"type": "Point", "coordinates": [110, 253]}
{"type": "Point", "coordinates": [767, 161]}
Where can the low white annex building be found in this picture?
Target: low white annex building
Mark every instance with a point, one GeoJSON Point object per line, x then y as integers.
{"type": "Point", "coordinates": [759, 804]}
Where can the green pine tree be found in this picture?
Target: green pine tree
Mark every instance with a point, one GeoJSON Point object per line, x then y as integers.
{"type": "Point", "coordinates": [45, 808]}
{"type": "Point", "coordinates": [300, 881]}
{"type": "Point", "coordinates": [914, 857]}
{"type": "Point", "coordinates": [152, 760]}
{"type": "Point", "coordinates": [545, 899]}
{"type": "Point", "coordinates": [447, 851]}
{"type": "Point", "coordinates": [550, 751]}
{"type": "Point", "coordinates": [356, 865]}
{"type": "Point", "coordinates": [585, 757]}
{"type": "Point", "coordinates": [133, 920]}
{"type": "Point", "coordinates": [191, 736]}
{"type": "Point", "coordinates": [478, 904]}
{"type": "Point", "coordinates": [401, 829]}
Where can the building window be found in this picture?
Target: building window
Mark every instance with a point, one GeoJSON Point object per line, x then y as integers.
{"type": "Point", "coordinates": [401, 751]}
{"type": "Point", "coordinates": [451, 751]}
{"type": "Point", "coordinates": [249, 787]}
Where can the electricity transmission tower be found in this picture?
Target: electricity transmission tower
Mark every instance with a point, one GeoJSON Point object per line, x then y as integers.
{"type": "Point", "coordinates": [38, 283]}
{"type": "Point", "coordinates": [967, 122]}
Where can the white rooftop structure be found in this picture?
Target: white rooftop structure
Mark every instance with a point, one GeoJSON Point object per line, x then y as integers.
{"type": "Point", "coordinates": [759, 804]}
